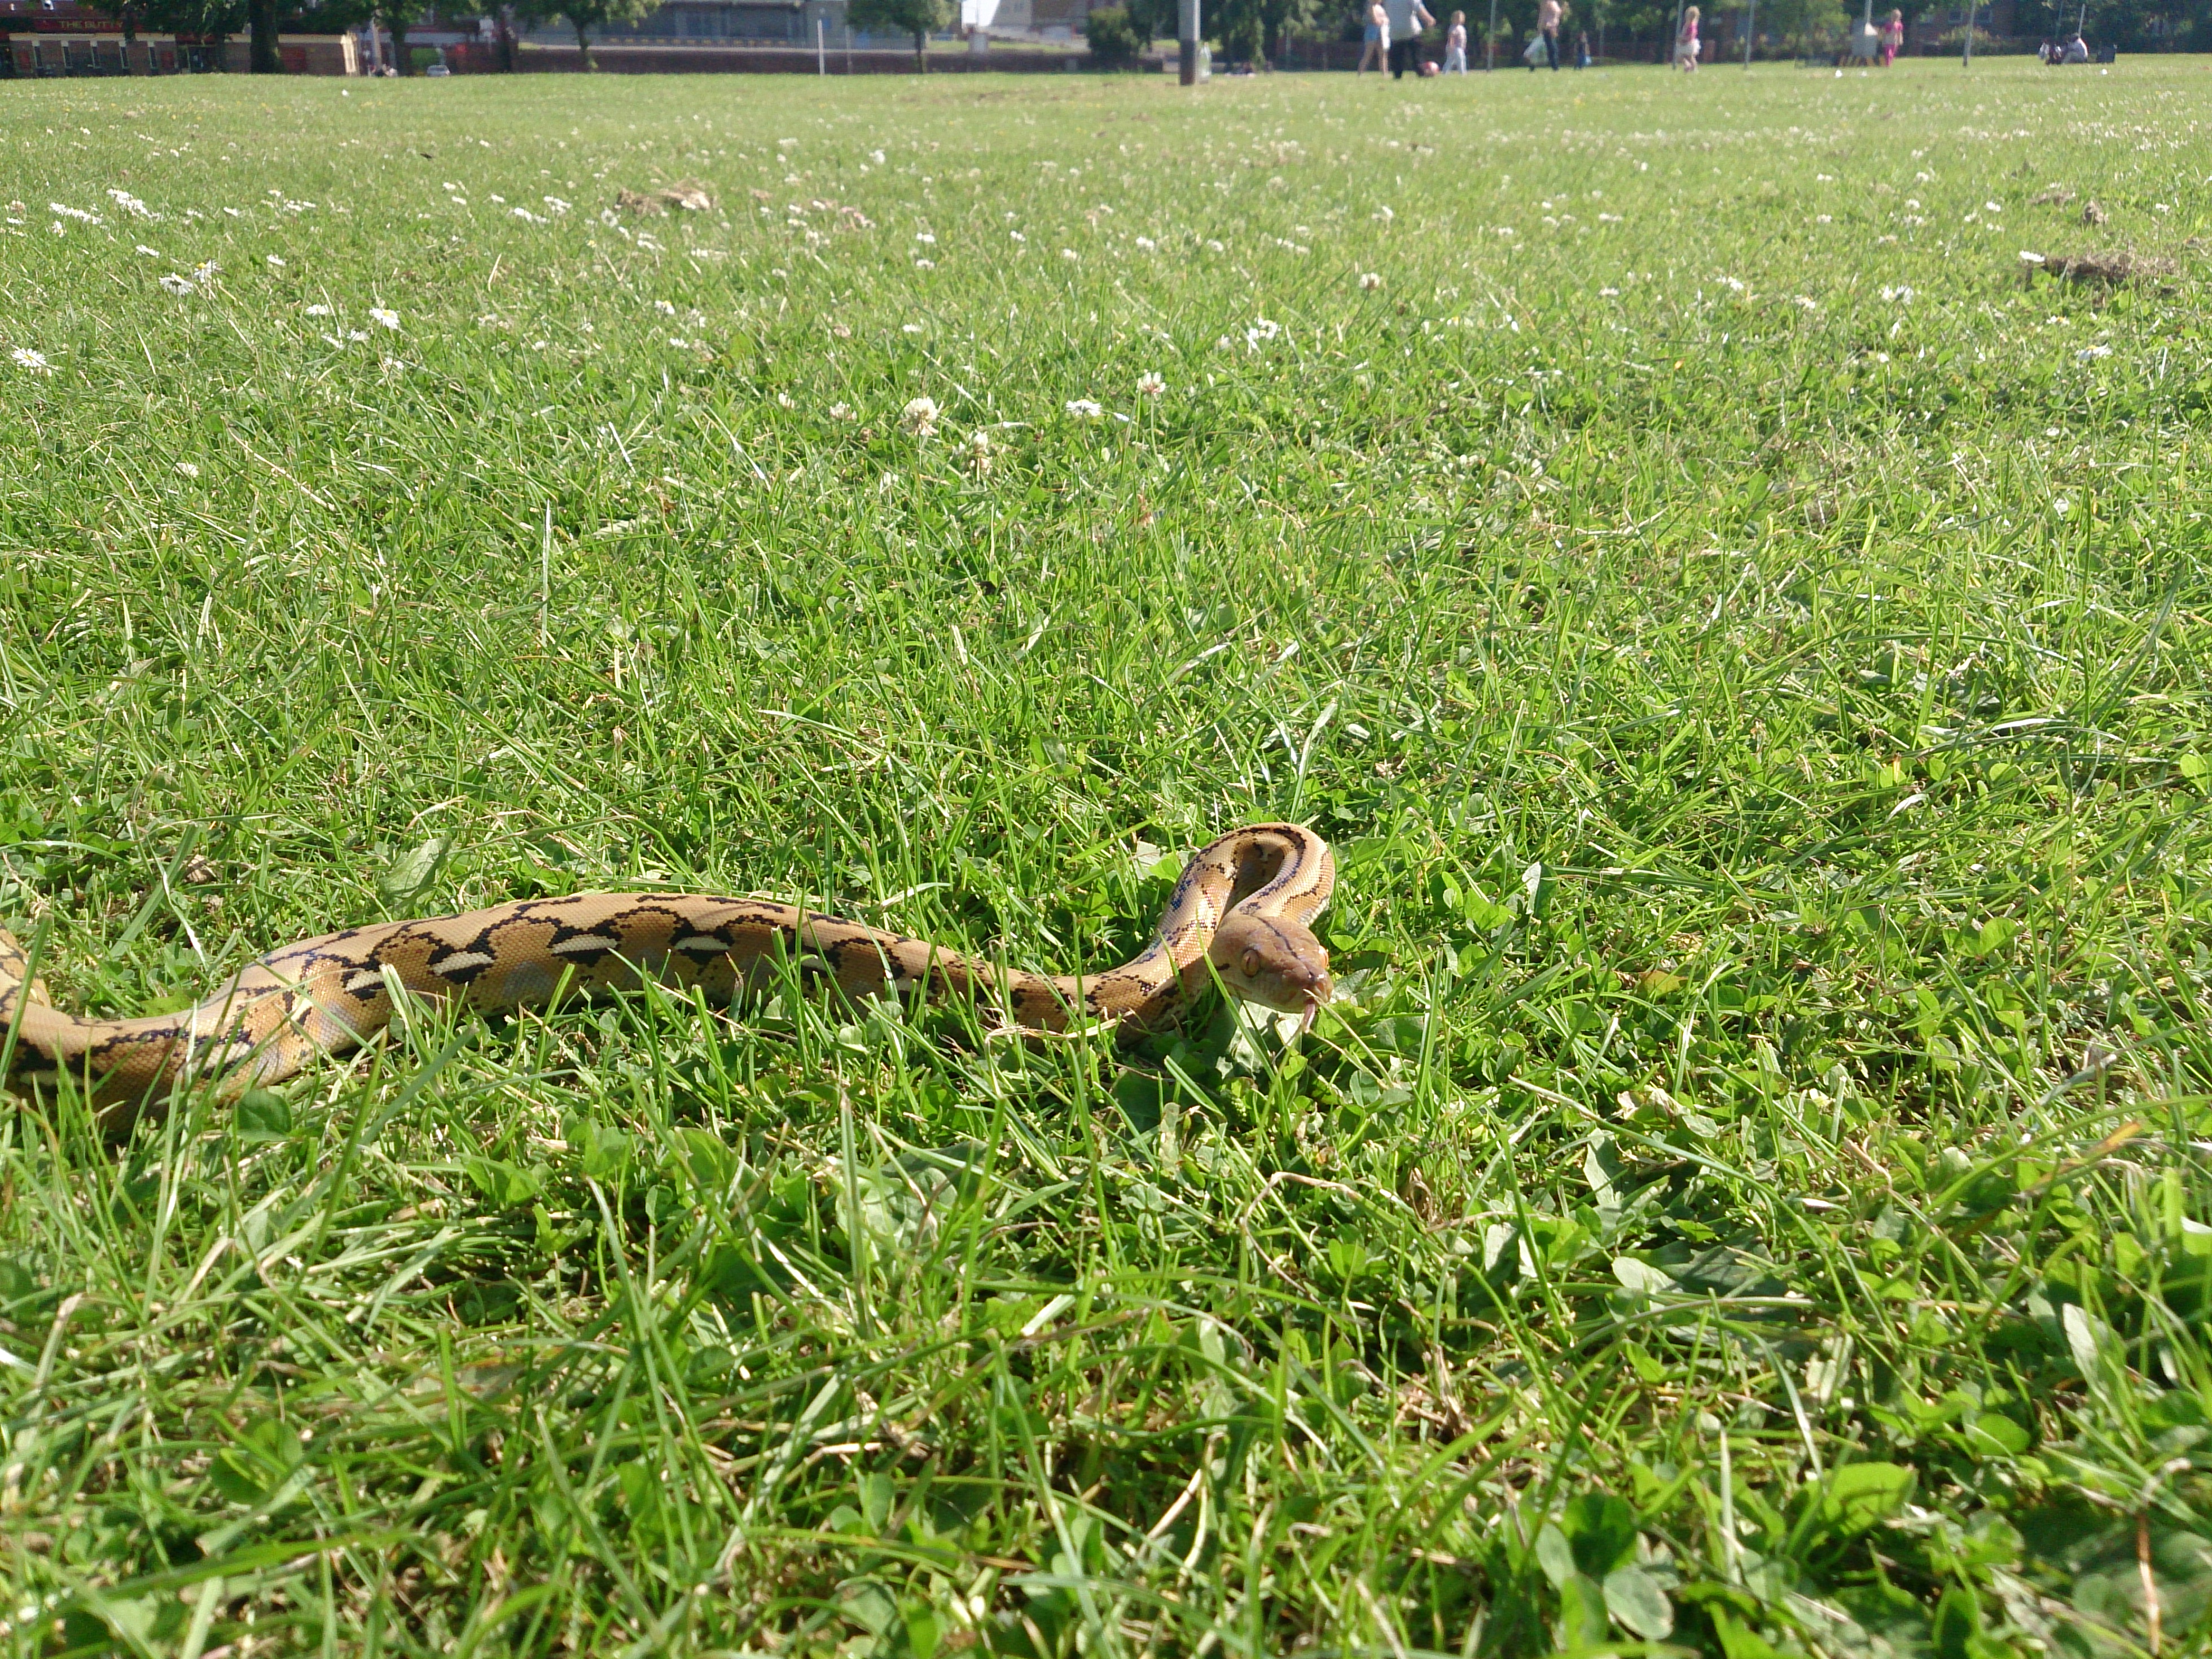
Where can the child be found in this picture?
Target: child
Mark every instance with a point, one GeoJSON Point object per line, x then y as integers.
{"type": "Point", "coordinates": [1892, 37]}
{"type": "Point", "coordinates": [1685, 42]}
{"type": "Point", "coordinates": [1378, 38]}
{"type": "Point", "coordinates": [1455, 46]}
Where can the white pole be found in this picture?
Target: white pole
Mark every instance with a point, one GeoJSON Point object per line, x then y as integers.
{"type": "Point", "coordinates": [821, 47]}
{"type": "Point", "coordinates": [1971, 10]}
{"type": "Point", "coordinates": [1490, 40]}
{"type": "Point", "coordinates": [1750, 33]}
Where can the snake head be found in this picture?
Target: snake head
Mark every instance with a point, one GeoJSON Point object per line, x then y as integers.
{"type": "Point", "coordinates": [1276, 963]}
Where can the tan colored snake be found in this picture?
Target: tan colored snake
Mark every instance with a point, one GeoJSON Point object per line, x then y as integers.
{"type": "Point", "coordinates": [1242, 911]}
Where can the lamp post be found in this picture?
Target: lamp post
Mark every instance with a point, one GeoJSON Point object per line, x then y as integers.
{"type": "Point", "coordinates": [1490, 40]}
{"type": "Point", "coordinates": [1187, 45]}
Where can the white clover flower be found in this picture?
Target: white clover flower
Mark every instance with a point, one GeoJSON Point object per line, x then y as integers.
{"type": "Point", "coordinates": [385, 315]}
{"type": "Point", "coordinates": [179, 285]}
{"type": "Point", "coordinates": [276, 262]}
{"type": "Point", "coordinates": [186, 469]}
{"type": "Point", "coordinates": [502, 200]}
{"type": "Point", "coordinates": [318, 311]}
{"type": "Point", "coordinates": [491, 320]}
{"type": "Point", "coordinates": [1609, 219]}
{"type": "Point", "coordinates": [130, 203]}
{"type": "Point", "coordinates": [1993, 207]}
{"type": "Point", "coordinates": [1261, 328]}
{"type": "Point", "coordinates": [30, 362]}
{"type": "Point", "coordinates": [1384, 215]}
{"type": "Point", "coordinates": [664, 307]}
{"type": "Point", "coordinates": [555, 205]}
{"type": "Point", "coordinates": [1901, 295]}
{"type": "Point", "coordinates": [925, 264]}
{"type": "Point", "coordinates": [1824, 219]}
{"type": "Point", "coordinates": [526, 215]}
{"type": "Point", "coordinates": [925, 237]}
{"type": "Point", "coordinates": [910, 328]}
{"type": "Point", "coordinates": [877, 156]}
{"type": "Point", "coordinates": [77, 214]}
{"type": "Point", "coordinates": [1212, 246]}
{"type": "Point", "coordinates": [680, 344]}
{"type": "Point", "coordinates": [1151, 384]}
{"type": "Point", "coordinates": [206, 271]}
{"type": "Point", "coordinates": [1083, 409]}
{"type": "Point", "coordinates": [2087, 353]}
{"type": "Point", "coordinates": [1069, 253]}
{"type": "Point", "coordinates": [1224, 344]}
{"type": "Point", "coordinates": [356, 335]}
{"type": "Point", "coordinates": [1370, 280]}
{"type": "Point", "coordinates": [2062, 507]}
{"type": "Point", "coordinates": [919, 417]}
{"type": "Point", "coordinates": [785, 400]}
{"type": "Point", "coordinates": [1807, 305]}
{"type": "Point", "coordinates": [841, 411]}
{"type": "Point", "coordinates": [2029, 257]}
{"type": "Point", "coordinates": [607, 218]}
{"type": "Point", "coordinates": [151, 252]}
{"type": "Point", "coordinates": [1148, 245]}
{"type": "Point", "coordinates": [1018, 236]}
{"type": "Point", "coordinates": [1608, 294]}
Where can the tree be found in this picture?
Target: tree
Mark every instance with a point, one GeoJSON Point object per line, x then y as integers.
{"type": "Point", "coordinates": [583, 17]}
{"type": "Point", "coordinates": [1245, 27]}
{"type": "Point", "coordinates": [919, 18]}
{"type": "Point", "coordinates": [1153, 19]}
{"type": "Point", "coordinates": [214, 19]}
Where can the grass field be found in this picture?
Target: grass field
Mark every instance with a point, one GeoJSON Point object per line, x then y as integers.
{"type": "Point", "coordinates": [1746, 635]}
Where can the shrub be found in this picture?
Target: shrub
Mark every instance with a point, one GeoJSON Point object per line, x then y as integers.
{"type": "Point", "coordinates": [1115, 39]}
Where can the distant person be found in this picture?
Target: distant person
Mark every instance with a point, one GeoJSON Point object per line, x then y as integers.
{"type": "Point", "coordinates": [1377, 39]}
{"type": "Point", "coordinates": [1456, 45]}
{"type": "Point", "coordinates": [1548, 13]}
{"type": "Point", "coordinates": [1582, 59]}
{"type": "Point", "coordinates": [2077, 50]}
{"type": "Point", "coordinates": [1685, 42]}
{"type": "Point", "coordinates": [1892, 37]}
{"type": "Point", "coordinates": [1405, 19]}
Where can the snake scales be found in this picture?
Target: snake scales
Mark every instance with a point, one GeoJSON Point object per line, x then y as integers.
{"type": "Point", "coordinates": [1241, 911]}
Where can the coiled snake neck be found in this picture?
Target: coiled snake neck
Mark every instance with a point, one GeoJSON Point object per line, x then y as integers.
{"type": "Point", "coordinates": [1242, 912]}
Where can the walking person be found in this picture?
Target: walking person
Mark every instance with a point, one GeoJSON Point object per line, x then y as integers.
{"type": "Point", "coordinates": [1456, 45]}
{"type": "Point", "coordinates": [1375, 39]}
{"type": "Point", "coordinates": [1685, 42]}
{"type": "Point", "coordinates": [1405, 20]}
{"type": "Point", "coordinates": [1582, 59]}
{"type": "Point", "coordinates": [1549, 15]}
{"type": "Point", "coordinates": [1892, 37]}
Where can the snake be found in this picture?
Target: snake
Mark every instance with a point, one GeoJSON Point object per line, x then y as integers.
{"type": "Point", "coordinates": [1241, 914]}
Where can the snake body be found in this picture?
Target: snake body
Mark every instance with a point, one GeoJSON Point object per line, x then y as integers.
{"type": "Point", "coordinates": [1242, 912]}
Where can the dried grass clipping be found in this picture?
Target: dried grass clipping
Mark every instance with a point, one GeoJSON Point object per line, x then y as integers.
{"type": "Point", "coordinates": [686, 193]}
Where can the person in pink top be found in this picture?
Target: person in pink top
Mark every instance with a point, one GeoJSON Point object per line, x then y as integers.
{"type": "Point", "coordinates": [1892, 37]}
{"type": "Point", "coordinates": [1456, 45]}
{"type": "Point", "coordinates": [1685, 42]}
{"type": "Point", "coordinates": [1548, 13]}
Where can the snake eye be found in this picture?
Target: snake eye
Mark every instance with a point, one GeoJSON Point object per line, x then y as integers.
{"type": "Point", "coordinates": [1250, 962]}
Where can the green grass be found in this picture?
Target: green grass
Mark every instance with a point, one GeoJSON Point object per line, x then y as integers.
{"type": "Point", "coordinates": [1751, 1195]}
